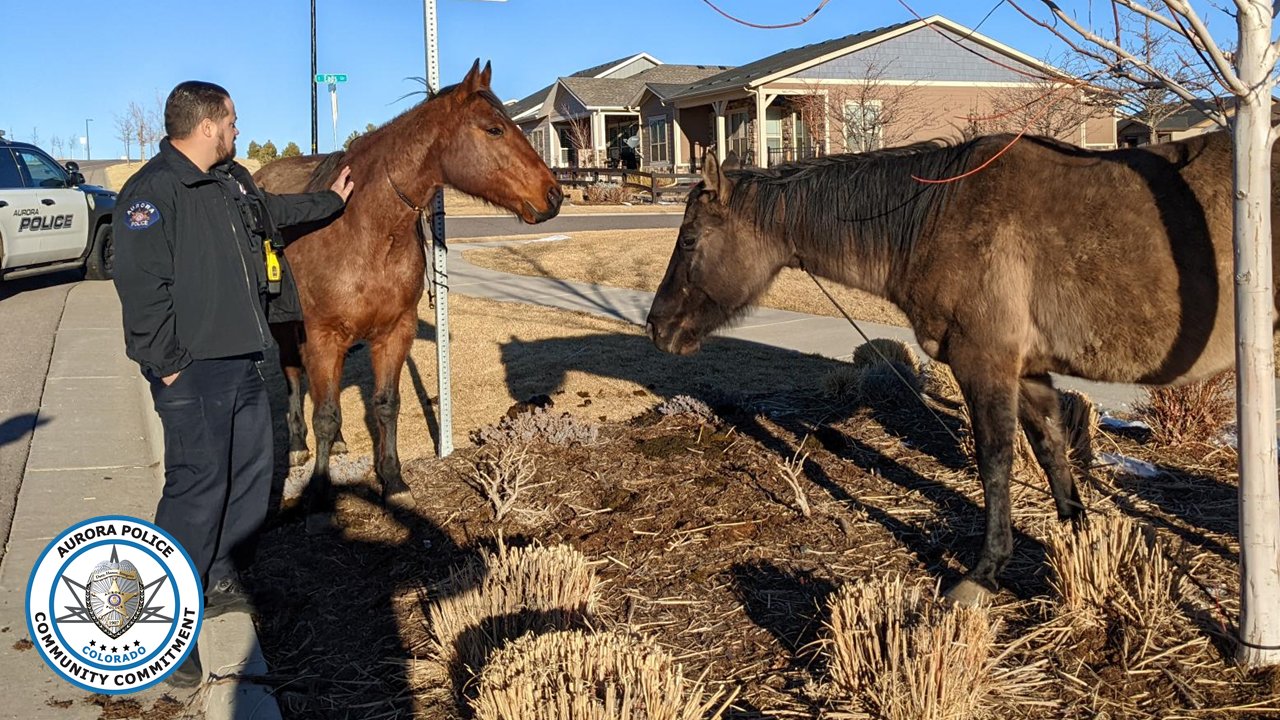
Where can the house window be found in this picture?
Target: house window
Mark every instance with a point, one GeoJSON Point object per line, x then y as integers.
{"type": "Point", "coordinates": [739, 141]}
{"type": "Point", "coordinates": [773, 129]}
{"type": "Point", "coordinates": [863, 129]}
{"type": "Point", "coordinates": [658, 141]}
{"type": "Point", "coordinates": [538, 139]}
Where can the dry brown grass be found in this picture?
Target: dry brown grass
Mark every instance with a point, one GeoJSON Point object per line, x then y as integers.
{"type": "Point", "coordinates": [580, 676]}
{"type": "Point", "coordinates": [502, 596]}
{"type": "Point", "coordinates": [1114, 567]}
{"type": "Point", "coordinates": [896, 653]}
{"type": "Point", "coordinates": [503, 353]}
{"type": "Point", "coordinates": [638, 259]}
{"type": "Point", "coordinates": [1198, 412]}
{"type": "Point", "coordinates": [118, 174]}
{"type": "Point", "coordinates": [881, 371]}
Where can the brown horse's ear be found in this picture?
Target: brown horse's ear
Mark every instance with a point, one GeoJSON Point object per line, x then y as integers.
{"type": "Point", "coordinates": [471, 82]}
{"type": "Point", "coordinates": [715, 179]}
{"type": "Point", "coordinates": [485, 74]}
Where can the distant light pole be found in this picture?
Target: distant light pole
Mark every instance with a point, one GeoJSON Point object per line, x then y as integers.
{"type": "Point", "coordinates": [87, 156]}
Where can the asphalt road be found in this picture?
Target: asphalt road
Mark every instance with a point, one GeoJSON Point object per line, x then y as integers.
{"type": "Point", "coordinates": [95, 171]}
{"type": "Point", "coordinates": [29, 313]}
{"type": "Point", "coordinates": [489, 226]}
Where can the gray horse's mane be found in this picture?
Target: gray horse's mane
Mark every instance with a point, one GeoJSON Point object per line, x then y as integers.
{"type": "Point", "coordinates": [869, 203]}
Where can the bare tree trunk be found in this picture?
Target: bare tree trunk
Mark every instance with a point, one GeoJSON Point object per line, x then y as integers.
{"type": "Point", "coordinates": [1255, 303]}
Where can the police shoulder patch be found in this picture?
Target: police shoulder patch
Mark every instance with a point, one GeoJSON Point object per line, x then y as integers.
{"type": "Point", "coordinates": [140, 215]}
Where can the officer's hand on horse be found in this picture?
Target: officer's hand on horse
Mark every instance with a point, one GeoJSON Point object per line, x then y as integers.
{"type": "Point", "coordinates": [343, 185]}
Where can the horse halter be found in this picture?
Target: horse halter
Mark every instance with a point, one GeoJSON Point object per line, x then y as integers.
{"type": "Point", "coordinates": [404, 198]}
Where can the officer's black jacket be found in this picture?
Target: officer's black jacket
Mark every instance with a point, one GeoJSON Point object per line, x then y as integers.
{"type": "Point", "coordinates": [188, 269]}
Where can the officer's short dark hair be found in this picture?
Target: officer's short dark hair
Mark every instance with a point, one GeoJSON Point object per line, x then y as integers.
{"type": "Point", "coordinates": [189, 103]}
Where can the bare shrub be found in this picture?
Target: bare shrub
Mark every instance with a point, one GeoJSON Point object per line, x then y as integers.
{"type": "Point", "coordinates": [579, 676]}
{"type": "Point", "coordinates": [791, 472]}
{"type": "Point", "coordinates": [538, 424]}
{"type": "Point", "coordinates": [881, 350]}
{"type": "Point", "coordinates": [604, 194]}
{"type": "Point", "coordinates": [500, 474]}
{"type": "Point", "coordinates": [898, 654]}
{"type": "Point", "coordinates": [502, 596]}
{"type": "Point", "coordinates": [1189, 413]}
{"type": "Point", "coordinates": [686, 405]}
{"type": "Point", "coordinates": [1080, 422]}
{"type": "Point", "coordinates": [1113, 573]}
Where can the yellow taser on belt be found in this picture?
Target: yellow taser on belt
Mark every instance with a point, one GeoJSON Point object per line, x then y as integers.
{"type": "Point", "coordinates": [274, 273]}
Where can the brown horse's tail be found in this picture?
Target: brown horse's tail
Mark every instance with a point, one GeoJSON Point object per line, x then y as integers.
{"type": "Point", "coordinates": [326, 172]}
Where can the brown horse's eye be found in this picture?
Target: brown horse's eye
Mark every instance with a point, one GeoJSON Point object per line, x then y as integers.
{"type": "Point", "coordinates": [495, 131]}
{"type": "Point", "coordinates": [687, 242]}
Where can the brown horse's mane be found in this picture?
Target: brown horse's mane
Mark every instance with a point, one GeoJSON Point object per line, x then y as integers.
{"type": "Point", "coordinates": [384, 144]}
{"type": "Point", "coordinates": [869, 202]}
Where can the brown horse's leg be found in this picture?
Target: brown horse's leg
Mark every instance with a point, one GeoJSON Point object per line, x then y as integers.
{"type": "Point", "coordinates": [288, 337]}
{"type": "Point", "coordinates": [990, 388]}
{"type": "Point", "coordinates": [388, 354]}
{"type": "Point", "coordinates": [324, 356]}
{"type": "Point", "coordinates": [1042, 422]}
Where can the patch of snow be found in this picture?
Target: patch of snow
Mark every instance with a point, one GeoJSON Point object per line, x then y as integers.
{"type": "Point", "coordinates": [1132, 466]}
{"type": "Point", "coordinates": [548, 238]}
{"type": "Point", "coordinates": [1115, 423]}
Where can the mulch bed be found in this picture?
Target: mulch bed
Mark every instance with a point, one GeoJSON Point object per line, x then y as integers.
{"type": "Point", "coordinates": [702, 547]}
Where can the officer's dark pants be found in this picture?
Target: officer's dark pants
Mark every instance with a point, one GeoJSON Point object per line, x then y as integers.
{"type": "Point", "coordinates": [217, 460]}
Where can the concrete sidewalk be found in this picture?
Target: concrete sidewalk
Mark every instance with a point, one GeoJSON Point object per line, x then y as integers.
{"type": "Point", "coordinates": [97, 450]}
{"type": "Point", "coordinates": [816, 334]}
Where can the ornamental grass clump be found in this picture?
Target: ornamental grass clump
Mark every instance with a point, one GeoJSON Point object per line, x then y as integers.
{"type": "Point", "coordinates": [881, 371]}
{"type": "Point", "coordinates": [895, 652]}
{"type": "Point", "coordinates": [579, 676]}
{"type": "Point", "coordinates": [1112, 573]}
{"type": "Point", "coordinates": [504, 595]}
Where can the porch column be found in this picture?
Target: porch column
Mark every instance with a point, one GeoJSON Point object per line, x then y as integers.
{"type": "Point", "coordinates": [718, 108]}
{"type": "Point", "coordinates": [762, 152]}
{"type": "Point", "coordinates": [675, 139]}
{"type": "Point", "coordinates": [597, 139]}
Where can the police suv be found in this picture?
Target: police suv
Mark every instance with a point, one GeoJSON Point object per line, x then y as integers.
{"type": "Point", "coordinates": [50, 220]}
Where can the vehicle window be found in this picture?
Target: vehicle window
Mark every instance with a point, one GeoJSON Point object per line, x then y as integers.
{"type": "Point", "coordinates": [9, 175]}
{"type": "Point", "coordinates": [44, 173]}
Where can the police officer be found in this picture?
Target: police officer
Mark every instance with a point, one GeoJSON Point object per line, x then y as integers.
{"type": "Point", "coordinates": [192, 272]}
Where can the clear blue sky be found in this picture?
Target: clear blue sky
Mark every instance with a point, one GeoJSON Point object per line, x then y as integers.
{"type": "Point", "coordinates": [66, 60]}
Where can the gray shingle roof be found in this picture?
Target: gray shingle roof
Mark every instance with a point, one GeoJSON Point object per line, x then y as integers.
{"type": "Point", "coordinates": [538, 97]}
{"type": "Point", "coordinates": [743, 74]}
{"type": "Point", "coordinates": [626, 92]}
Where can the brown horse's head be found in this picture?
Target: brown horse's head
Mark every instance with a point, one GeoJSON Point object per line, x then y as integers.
{"type": "Point", "coordinates": [488, 156]}
{"type": "Point", "coordinates": [722, 262]}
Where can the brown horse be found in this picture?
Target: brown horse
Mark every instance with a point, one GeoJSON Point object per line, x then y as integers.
{"type": "Point", "coordinates": [1113, 266]}
{"type": "Point", "coordinates": [360, 277]}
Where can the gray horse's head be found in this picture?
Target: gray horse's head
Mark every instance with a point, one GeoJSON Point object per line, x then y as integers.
{"type": "Point", "coordinates": [721, 263]}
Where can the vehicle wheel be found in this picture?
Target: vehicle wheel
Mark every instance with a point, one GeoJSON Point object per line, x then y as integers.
{"type": "Point", "coordinates": [101, 263]}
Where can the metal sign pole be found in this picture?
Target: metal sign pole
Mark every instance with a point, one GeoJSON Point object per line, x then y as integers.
{"type": "Point", "coordinates": [439, 256]}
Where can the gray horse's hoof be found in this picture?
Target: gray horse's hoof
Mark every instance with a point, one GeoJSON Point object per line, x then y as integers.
{"type": "Point", "coordinates": [339, 447]}
{"type": "Point", "coordinates": [968, 593]}
{"type": "Point", "coordinates": [320, 523]}
{"type": "Point", "coordinates": [402, 499]}
{"type": "Point", "coordinates": [298, 458]}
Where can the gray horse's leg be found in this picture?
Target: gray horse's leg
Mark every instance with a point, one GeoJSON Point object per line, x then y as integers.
{"type": "Point", "coordinates": [1041, 417]}
{"type": "Point", "coordinates": [990, 388]}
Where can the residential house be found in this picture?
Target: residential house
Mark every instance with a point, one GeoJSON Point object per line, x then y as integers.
{"type": "Point", "coordinates": [912, 81]}
{"type": "Point", "coordinates": [1180, 120]}
{"type": "Point", "coordinates": [592, 117]}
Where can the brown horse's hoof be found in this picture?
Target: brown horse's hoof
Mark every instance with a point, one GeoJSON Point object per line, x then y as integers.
{"type": "Point", "coordinates": [968, 593]}
{"type": "Point", "coordinates": [320, 523]}
{"type": "Point", "coordinates": [339, 447]}
{"type": "Point", "coordinates": [298, 458]}
{"type": "Point", "coordinates": [401, 499]}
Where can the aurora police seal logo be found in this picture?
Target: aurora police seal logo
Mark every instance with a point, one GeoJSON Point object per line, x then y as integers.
{"type": "Point", "coordinates": [114, 605]}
